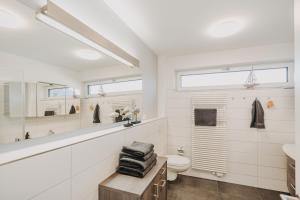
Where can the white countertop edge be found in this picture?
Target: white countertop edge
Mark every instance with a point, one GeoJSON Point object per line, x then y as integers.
{"type": "Point", "coordinates": [290, 150]}
{"type": "Point", "coordinates": [21, 153]}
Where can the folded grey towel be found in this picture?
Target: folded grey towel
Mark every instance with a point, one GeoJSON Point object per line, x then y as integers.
{"type": "Point", "coordinates": [127, 155]}
{"type": "Point", "coordinates": [135, 172]}
{"type": "Point", "coordinates": [138, 149]}
{"type": "Point", "coordinates": [136, 164]}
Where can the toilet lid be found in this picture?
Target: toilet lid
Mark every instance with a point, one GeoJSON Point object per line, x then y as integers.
{"type": "Point", "coordinates": [176, 160]}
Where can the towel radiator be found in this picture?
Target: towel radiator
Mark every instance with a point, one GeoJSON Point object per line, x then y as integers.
{"type": "Point", "coordinates": [209, 146]}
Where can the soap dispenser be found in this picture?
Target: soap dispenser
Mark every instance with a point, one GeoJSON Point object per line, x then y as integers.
{"type": "Point", "coordinates": [27, 136]}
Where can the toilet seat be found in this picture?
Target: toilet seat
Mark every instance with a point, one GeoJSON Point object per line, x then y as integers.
{"type": "Point", "coordinates": [178, 161]}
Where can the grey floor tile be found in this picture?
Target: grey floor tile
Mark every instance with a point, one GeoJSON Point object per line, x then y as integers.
{"type": "Point", "coordinates": [191, 188]}
{"type": "Point", "coordinates": [269, 194]}
{"type": "Point", "coordinates": [238, 191]}
{"type": "Point", "coordinates": [198, 185]}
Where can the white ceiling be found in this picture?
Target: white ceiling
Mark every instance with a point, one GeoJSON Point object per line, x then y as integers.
{"type": "Point", "coordinates": [177, 27]}
{"type": "Point", "coordinates": [40, 42]}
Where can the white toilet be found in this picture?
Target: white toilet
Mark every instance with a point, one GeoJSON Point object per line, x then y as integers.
{"type": "Point", "coordinates": [177, 164]}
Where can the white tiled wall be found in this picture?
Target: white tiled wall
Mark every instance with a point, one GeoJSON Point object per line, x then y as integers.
{"type": "Point", "coordinates": [106, 107]}
{"type": "Point", "coordinates": [39, 127]}
{"type": "Point", "coordinates": [255, 156]}
{"type": "Point", "coordinates": [73, 173]}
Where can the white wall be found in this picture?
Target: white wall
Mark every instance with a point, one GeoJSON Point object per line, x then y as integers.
{"type": "Point", "coordinates": [297, 89]}
{"type": "Point", "coordinates": [255, 157]}
{"type": "Point", "coordinates": [109, 72]}
{"type": "Point", "coordinates": [73, 173]}
{"type": "Point", "coordinates": [262, 149]}
{"type": "Point", "coordinates": [167, 66]}
{"type": "Point", "coordinates": [100, 17]}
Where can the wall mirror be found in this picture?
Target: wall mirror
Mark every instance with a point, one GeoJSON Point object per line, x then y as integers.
{"type": "Point", "coordinates": [66, 81]}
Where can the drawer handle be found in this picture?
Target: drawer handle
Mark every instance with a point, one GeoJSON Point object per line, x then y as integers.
{"type": "Point", "coordinates": [163, 171]}
{"type": "Point", "coordinates": [156, 194]}
{"type": "Point", "coordinates": [164, 183]}
{"type": "Point", "coordinates": [293, 186]}
{"type": "Point", "coordinates": [292, 166]}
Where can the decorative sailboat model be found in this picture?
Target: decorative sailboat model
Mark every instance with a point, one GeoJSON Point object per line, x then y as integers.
{"type": "Point", "coordinates": [251, 81]}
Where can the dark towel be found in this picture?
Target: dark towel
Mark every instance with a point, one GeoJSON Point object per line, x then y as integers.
{"type": "Point", "coordinates": [72, 110]}
{"type": "Point", "coordinates": [49, 113]}
{"type": "Point", "coordinates": [135, 172]}
{"type": "Point", "coordinates": [138, 149]}
{"type": "Point", "coordinates": [257, 115]}
{"type": "Point", "coordinates": [205, 117]}
{"type": "Point", "coordinates": [136, 164]}
{"type": "Point", "coordinates": [127, 155]}
{"type": "Point", "coordinates": [96, 116]}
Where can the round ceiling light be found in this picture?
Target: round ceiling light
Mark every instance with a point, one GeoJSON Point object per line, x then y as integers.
{"type": "Point", "coordinates": [225, 28]}
{"type": "Point", "coordinates": [88, 54]}
{"type": "Point", "coordinates": [10, 20]}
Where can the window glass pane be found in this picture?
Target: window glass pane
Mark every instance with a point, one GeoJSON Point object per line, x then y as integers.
{"type": "Point", "coordinates": [124, 86]}
{"type": "Point", "coordinates": [94, 89]}
{"type": "Point", "coordinates": [279, 75]}
{"type": "Point", "coordinates": [214, 79]}
{"type": "Point", "coordinates": [56, 92]}
{"type": "Point", "coordinates": [69, 92]}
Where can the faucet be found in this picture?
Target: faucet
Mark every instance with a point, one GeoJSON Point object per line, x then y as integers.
{"type": "Point", "coordinates": [51, 132]}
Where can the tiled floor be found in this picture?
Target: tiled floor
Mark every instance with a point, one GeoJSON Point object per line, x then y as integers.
{"type": "Point", "coordinates": [190, 188]}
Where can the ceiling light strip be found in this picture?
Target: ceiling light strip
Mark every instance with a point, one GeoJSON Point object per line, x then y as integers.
{"type": "Point", "coordinates": [59, 19]}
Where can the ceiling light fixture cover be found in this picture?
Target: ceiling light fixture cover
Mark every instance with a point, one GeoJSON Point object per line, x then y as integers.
{"type": "Point", "coordinates": [226, 28]}
{"type": "Point", "coordinates": [10, 20]}
{"type": "Point", "coordinates": [59, 19]}
{"type": "Point", "coordinates": [88, 54]}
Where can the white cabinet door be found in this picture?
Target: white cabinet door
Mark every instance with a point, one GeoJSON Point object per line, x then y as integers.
{"type": "Point", "coordinates": [59, 192]}
{"type": "Point", "coordinates": [24, 179]}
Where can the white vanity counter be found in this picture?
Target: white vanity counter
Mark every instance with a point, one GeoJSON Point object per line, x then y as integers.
{"type": "Point", "coordinates": [290, 150]}
{"type": "Point", "coordinates": [73, 166]}
{"type": "Point", "coordinates": [28, 148]}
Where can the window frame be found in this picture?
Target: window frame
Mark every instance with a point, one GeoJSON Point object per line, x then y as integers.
{"type": "Point", "coordinates": [113, 80]}
{"type": "Point", "coordinates": [59, 97]}
{"type": "Point", "coordinates": [222, 69]}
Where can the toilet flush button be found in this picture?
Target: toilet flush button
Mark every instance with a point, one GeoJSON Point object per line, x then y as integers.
{"type": "Point", "coordinates": [180, 150]}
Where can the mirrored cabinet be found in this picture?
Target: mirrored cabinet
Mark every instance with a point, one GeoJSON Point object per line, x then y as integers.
{"type": "Point", "coordinates": [11, 106]}
{"type": "Point", "coordinates": [49, 99]}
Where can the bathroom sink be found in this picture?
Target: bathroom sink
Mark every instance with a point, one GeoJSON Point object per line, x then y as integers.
{"type": "Point", "coordinates": [290, 150]}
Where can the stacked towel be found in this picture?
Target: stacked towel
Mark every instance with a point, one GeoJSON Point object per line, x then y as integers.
{"type": "Point", "coordinates": [137, 159]}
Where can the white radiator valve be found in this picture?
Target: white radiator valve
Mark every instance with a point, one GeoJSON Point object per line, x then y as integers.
{"type": "Point", "coordinates": [180, 150]}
